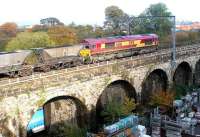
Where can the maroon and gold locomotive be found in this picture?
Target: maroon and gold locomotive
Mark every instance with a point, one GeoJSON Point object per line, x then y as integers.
{"type": "Point", "coordinates": [117, 47]}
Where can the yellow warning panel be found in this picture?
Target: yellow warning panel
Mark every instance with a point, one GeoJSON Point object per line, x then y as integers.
{"type": "Point", "coordinates": [131, 43]}
{"type": "Point", "coordinates": [140, 45]}
{"type": "Point", "coordinates": [85, 52]}
{"type": "Point", "coordinates": [117, 44]}
{"type": "Point", "coordinates": [137, 42]}
{"type": "Point", "coordinates": [125, 43]}
{"type": "Point", "coordinates": [103, 46]}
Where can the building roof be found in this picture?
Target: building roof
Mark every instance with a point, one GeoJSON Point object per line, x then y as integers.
{"type": "Point", "coordinates": [188, 27]}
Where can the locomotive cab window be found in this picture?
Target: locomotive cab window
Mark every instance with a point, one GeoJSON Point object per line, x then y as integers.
{"type": "Point", "coordinates": [89, 47]}
{"type": "Point", "coordinates": [85, 47]}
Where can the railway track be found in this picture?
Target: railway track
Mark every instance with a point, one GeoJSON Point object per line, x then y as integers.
{"type": "Point", "coordinates": [7, 81]}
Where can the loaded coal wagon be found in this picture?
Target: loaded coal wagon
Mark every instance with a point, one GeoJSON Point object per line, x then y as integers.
{"type": "Point", "coordinates": [12, 63]}
{"type": "Point", "coordinates": [55, 58]}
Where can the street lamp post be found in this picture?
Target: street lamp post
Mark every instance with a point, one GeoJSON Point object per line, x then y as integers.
{"type": "Point", "coordinates": [173, 31]}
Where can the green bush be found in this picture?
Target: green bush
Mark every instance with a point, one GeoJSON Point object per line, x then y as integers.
{"type": "Point", "coordinates": [66, 130]}
{"type": "Point", "coordinates": [3, 44]}
{"type": "Point", "coordinates": [27, 40]}
{"type": "Point", "coordinates": [114, 110]}
{"type": "Point", "coordinates": [182, 90]}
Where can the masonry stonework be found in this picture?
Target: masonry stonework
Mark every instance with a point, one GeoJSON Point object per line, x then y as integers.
{"type": "Point", "coordinates": [21, 99]}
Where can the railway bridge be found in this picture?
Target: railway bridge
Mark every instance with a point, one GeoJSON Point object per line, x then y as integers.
{"type": "Point", "coordinates": [75, 94]}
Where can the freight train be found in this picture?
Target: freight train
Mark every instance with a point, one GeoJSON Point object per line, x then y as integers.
{"type": "Point", "coordinates": [25, 62]}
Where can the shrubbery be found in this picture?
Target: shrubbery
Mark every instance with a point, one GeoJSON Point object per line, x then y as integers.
{"type": "Point", "coordinates": [66, 130]}
{"type": "Point", "coordinates": [182, 90]}
{"type": "Point", "coordinates": [115, 110]}
{"type": "Point", "coordinates": [27, 40]}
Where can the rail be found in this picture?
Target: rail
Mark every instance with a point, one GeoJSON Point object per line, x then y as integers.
{"type": "Point", "coordinates": [69, 71]}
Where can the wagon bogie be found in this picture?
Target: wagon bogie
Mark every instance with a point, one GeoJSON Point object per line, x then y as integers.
{"type": "Point", "coordinates": [42, 67]}
{"type": "Point", "coordinates": [12, 74]}
{"type": "Point", "coordinates": [26, 70]}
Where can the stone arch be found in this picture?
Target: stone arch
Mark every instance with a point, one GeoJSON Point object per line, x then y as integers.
{"type": "Point", "coordinates": [65, 109]}
{"type": "Point", "coordinates": [155, 81]}
{"type": "Point", "coordinates": [197, 73]}
{"type": "Point", "coordinates": [115, 91]}
{"type": "Point", "coordinates": [183, 74]}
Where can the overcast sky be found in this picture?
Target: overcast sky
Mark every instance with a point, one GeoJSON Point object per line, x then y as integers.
{"type": "Point", "coordinates": [26, 12]}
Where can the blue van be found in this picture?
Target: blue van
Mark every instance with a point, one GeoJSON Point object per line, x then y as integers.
{"type": "Point", "coordinates": [36, 123]}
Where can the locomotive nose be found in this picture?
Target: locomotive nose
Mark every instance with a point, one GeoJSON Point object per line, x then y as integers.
{"type": "Point", "coordinates": [84, 52]}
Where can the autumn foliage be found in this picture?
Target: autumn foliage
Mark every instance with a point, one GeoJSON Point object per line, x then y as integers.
{"type": "Point", "coordinates": [62, 35]}
{"type": "Point", "coordinates": [162, 98]}
{"type": "Point", "coordinates": [9, 29]}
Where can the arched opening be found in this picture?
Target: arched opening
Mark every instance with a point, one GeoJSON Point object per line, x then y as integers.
{"type": "Point", "coordinates": [65, 110]}
{"type": "Point", "coordinates": [183, 74]}
{"type": "Point", "coordinates": [156, 81]}
{"type": "Point", "coordinates": [197, 74]}
{"type": "Point", "coordinates": [117, 91]}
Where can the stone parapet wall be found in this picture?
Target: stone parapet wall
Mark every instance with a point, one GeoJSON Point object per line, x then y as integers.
{"type": "Point", "coordinates": [83, 73]}
{"type": "Point", "coordinates": [20, 97]}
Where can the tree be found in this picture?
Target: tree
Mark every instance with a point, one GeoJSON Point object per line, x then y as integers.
{"type": "Point", "coordinates": [115, 110]}
{"type": "Point", "coordinates": [98, 31]}
{"type": "Point", "coordinates": [112, 111]}
{"type": "Point", "coordinates": [162, 99]}
{"type": "Point", "coordinates": [62, 35]}
{"type": "Point", "coordinates": [27, 40]}
{"type": "Point", "coordinates": [116, 21]}
{"type": "Point", "coordinates": [87, 31]}
{"type": "Point", "coordinates": [159, 9]}
{"type": "Point", "coordinates": [161, 26]}
{"type": "Point", "coordinates": [128, 106]}
{"type": "Point", "coordinates": [51, 21]}
{"type": "Point", "coordinates": [9, 29]}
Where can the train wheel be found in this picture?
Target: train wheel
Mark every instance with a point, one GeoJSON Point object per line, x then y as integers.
{"type": "Point", "coordinates": [66, 65]}
{"type": "Point", "coordinates": [58, 66]}
{"type": "Point", "coordinates": [62, 66]}
{"type": "Point", "coordinates": [25, 72]}
{"type": "Point", "coordinates": [12, 74]}
{"type": "Point", "coordinates": [46, 68]}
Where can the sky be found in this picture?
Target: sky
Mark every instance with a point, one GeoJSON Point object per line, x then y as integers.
{"type": "Point", "coordinates": [28, 12]}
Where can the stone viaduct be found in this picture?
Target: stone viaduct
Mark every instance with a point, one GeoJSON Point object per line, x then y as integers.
{"type": "Point", "coordinates": [86, 86]}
